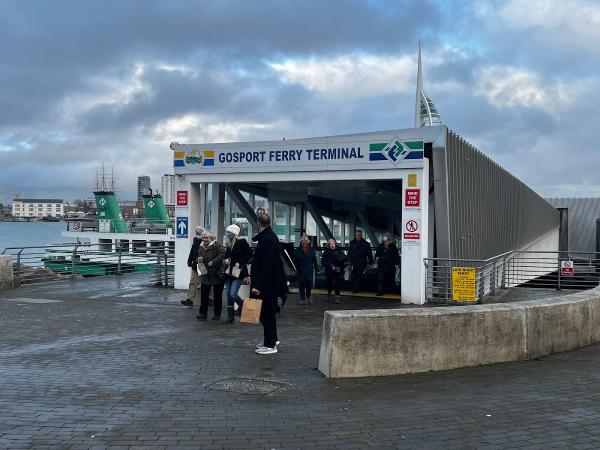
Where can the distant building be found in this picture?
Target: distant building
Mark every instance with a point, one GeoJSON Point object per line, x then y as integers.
{"type": "Point", "coordinates": [38, 207]}
{"type": "Point", "coordinates": [143, 187]}
{"type": "Point", "coordinates": [167, 189]}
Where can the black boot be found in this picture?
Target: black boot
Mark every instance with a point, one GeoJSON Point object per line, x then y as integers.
{"type": "Point", "coordinates": [239, 310]}
{"type": "Point", "coordinates": [230, 316]}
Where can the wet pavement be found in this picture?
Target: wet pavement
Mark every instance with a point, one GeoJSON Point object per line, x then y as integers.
{"type": "Point", "coordinates": [114, 363]}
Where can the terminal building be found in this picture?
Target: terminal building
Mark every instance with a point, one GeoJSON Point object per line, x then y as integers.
{"type": "Point", "coordinates": [433, 191]}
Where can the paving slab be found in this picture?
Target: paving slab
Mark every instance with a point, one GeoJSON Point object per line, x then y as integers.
{"type": "Point", "coordinates": [91, 371]}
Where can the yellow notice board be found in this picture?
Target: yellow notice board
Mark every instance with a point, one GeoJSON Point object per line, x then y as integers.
{"type": "Point", "coordinates": [464, 287]}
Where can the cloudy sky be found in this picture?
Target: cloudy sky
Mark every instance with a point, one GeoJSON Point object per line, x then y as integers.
{"type": "Point", "coordinates": [114, 82]}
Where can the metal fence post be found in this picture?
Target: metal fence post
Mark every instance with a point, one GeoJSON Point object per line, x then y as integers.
{"type": "Point", "coordinates": [166, 270]}
{"type": "Point", "coordinates": [74, 262]}
{"type": "Point", "coordinates": [19, 262]}
{"type": "Point", "coordinates": [120, 255]}
{"type": "Point", "coordinates": [503, 285]}
{"type": "Point", "coordinates": [558, 277]}
{"type": "Point", "coordinates": [494, 278]}
{"type": "Point", "coordinates": [448, 277]}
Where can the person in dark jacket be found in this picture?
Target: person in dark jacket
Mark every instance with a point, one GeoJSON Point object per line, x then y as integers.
{"type": "Point", "coordinates": [237, 255]}
{"type": "Point", "coordinates": [267, 281]}
{"type": "Point", "coordinates": [387, 258]}
{"type": "Point", "coordinates": [305, 259]}
{"type": "Point", "coordinates": [361, 258]}
{"type": "Point", "coordinates": [334, 261]}
{"type": "Point", "coordinates": [211, 254]}
{"type": "Point", "coordinates": [191, 262]}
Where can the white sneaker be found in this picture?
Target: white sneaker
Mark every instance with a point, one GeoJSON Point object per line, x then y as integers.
{"type": "Point", "coordinates": [266, 350]}
{"type": "Point", "coordinates": [262, 345]}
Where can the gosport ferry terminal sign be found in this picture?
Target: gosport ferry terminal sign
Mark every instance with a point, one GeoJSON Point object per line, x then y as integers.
{"type": "Point", "coordinates": [299, 155]}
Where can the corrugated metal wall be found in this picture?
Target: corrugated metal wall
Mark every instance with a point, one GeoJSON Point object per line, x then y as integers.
{"type": "Point", "coordinates": [489, 210]}
{"type": "Point", "coordinates": [583, 213]}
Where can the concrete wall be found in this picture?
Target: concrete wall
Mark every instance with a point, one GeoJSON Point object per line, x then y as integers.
{"type": "Point", "coordinates": [391, 342]}
{"type": "Point", "coordinates": [6, 272]}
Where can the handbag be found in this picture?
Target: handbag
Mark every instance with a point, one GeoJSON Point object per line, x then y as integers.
{"type": "Point", "coordinates": [236, 271]}
{"type": "Point", "coordinates": [201, 269]}
{"type": "Point", "coordinates": [348, 273]}
{"type": "Point", "coordinates": [289, 272]}
{"type": "Point", "coordinates": [251, 311]}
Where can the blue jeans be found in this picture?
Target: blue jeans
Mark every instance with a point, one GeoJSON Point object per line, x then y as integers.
{"type": "Point", "coordinates": [232, 286]}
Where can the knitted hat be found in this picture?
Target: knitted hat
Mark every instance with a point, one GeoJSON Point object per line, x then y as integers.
{"type": "Point", "coordinates": [233, 229]}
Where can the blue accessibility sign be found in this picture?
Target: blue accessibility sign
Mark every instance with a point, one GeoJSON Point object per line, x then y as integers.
{"type": "Point", "coordinates": [182, 227]}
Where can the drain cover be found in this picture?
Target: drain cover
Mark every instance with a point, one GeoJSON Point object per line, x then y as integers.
{"type": "Point", "coordinates": [250, 386]}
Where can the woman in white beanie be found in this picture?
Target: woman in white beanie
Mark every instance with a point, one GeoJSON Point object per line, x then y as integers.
{"type": "Point", "coordinates": [237, 255]}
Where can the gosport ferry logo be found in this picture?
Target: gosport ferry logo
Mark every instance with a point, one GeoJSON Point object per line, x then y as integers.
{"type": "Point", "coordinates": [204, 158]}
{"type": "Point", "coordinates": [396, 151]}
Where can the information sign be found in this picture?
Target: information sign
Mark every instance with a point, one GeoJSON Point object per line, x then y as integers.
{"type": "Point", "coordinates": [182, 198]}
{"type": "Point", "coordinates": [464, 286]}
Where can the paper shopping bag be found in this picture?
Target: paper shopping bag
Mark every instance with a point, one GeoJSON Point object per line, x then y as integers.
{"type": "Point", "coordinates": [251, 311]}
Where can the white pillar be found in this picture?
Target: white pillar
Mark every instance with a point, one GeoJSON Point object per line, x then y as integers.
{"type": "Point", "coordinates": [415, 220]}
{"type": "Point", "coordinates": [217, 211]}
{"type": "Point", "coordinates": [288, 222]}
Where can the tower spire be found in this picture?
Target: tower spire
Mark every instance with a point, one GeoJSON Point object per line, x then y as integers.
{"type": "Point", "coordinates": [426, 113]}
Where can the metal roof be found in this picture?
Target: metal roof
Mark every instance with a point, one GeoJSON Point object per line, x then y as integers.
{"type": "Point", "coordinates": [583, 213]}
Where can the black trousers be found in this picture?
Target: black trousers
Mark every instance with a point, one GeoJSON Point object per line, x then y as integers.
{"type": "Point", "coordinates": [305, 288]}
{"type": "Point", "coordinates": [334, 281]}
{"type": "Point", "coordinates": [358, 276]}
{"type": "Point", "coordinates": [385, 280]}
{"type": "Point", "coordinates": [217, 295]}
{"type": "Point", "coordinates": [269, 323]}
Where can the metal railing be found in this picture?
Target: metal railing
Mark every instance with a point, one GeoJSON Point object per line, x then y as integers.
{"type": "Point", "coordinates": [469, 281]}
{"type": "Point", "coordinates": [137, 226]}
{"type": "Point", "coordinates": [76, 260]}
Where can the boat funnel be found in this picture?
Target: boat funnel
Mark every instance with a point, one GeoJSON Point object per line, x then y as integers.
{"type": "Point", "coordinates": [108, 216]}
{"type": "Point", "coordinates": [156, 212]}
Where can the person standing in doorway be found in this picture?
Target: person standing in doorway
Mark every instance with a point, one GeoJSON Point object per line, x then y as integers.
{"type": "Point", "coordinates": [387, 258]}
{"type": "Point", "coordinates": [361, 258]}
{"type": "Point", "coordinates": [305, 259]}
{"type": "Point", "coordinates": [237, 255]}
{"type": "Point", "coordinates": [211, 253]}
{"type": "Point", "coordinates": [267, 281]}
{"type": "Point", "coordinates": [193, 265]}
{"type": "Point", "coordinates": [333, 261]}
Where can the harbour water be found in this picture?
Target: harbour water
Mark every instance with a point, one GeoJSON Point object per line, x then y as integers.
{"type": "Point", "coordinates": [26, 234]}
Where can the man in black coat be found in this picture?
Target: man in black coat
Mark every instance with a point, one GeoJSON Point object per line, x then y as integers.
{"type": "Point", "coordinates": [360, 257]}
{"type": "Point", "coordinates": [267, 281]}
{"type": "Point", "coordinates": [192, 263]}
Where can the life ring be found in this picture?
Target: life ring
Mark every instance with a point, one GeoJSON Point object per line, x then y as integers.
{"type": "Point", "coordinates": [76, 226]}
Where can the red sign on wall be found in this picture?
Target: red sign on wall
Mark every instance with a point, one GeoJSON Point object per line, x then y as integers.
{"type": "Point", "coordinates": [182, 198]}
{"type": "Point", "coordinates": [412, 198]}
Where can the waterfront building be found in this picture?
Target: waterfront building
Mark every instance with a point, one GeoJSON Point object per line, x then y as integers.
{"type": "Point", "coordinates": [38, 207]}
{"type": "Point", "coordinates": [143, 185]}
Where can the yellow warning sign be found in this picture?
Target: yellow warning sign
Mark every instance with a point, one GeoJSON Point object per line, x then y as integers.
{"type": "Point", "coordinates": [464, 286]}
{"type": "Point", "coordinates": [412, 180]}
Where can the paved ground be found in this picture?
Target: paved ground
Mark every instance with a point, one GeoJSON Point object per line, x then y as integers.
{"type": "Point", "coordinates": [112, 363]}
